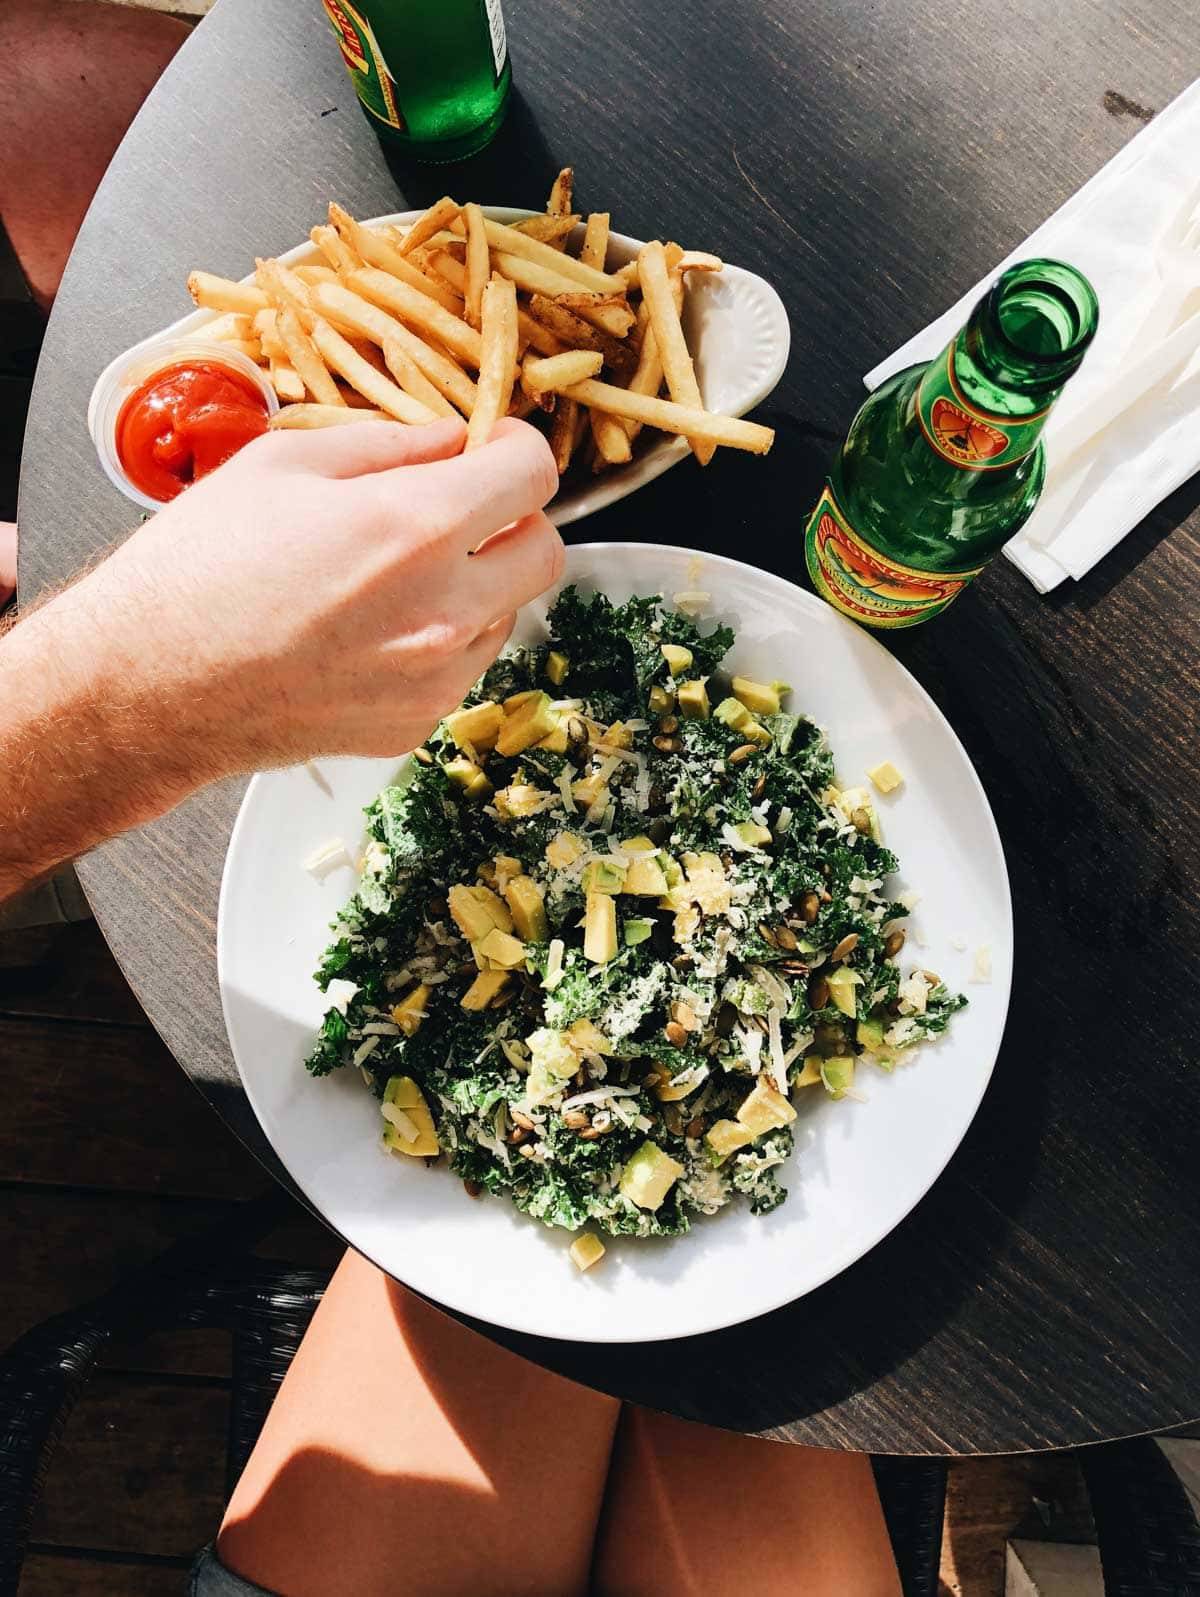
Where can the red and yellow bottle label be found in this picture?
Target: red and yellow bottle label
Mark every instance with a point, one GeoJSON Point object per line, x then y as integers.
{"type": "Point", "coordinates": [958, 431]}
{"type": "Point", "coordinates": [865, 584]}
{"type": "Point", "coordinates": [373, 83]}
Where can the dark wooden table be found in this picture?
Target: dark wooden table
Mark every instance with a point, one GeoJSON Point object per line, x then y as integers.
{"type": "Point", "coordinates": [871, 161]}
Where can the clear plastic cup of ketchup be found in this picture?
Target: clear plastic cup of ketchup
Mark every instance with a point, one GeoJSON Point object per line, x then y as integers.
{"type": "Point", "coordinates": [167, 414]}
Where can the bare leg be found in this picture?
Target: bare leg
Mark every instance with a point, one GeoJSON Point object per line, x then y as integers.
{"type": "Point", "coordinates": [406, 1453]}
{"type": "Point", "coordinates": [8, 560]}
{"type": "Point", "coordinates": [697, 1512]}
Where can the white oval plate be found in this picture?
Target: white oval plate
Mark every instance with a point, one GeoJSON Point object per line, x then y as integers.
{"type": "Point", "coordinates": [858, 1167]}
{"type": "Point", "coordinates": [736, 327]}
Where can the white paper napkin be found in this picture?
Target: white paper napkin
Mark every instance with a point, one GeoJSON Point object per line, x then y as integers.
{"type": "Point", "coordinates": [1111, 229]}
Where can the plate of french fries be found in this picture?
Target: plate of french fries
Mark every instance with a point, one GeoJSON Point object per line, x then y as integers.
{"type": "Point", "coordinates": [628, 354]}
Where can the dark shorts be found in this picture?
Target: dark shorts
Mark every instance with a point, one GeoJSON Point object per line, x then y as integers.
{"type": "Point", "coordinates": [210, 1578]}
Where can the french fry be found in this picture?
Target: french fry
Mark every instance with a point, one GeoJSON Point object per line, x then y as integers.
{"type": "Point", "coordinates": [561, 191]}
{"type": "Point", "coordinates": [266, 330]}
{"type": "Point", "coordinates": [335, 249]}
{"type": "Point", "coordinates": [556, 372]}
{"type": "Point", "coordinates": [629, 272]}
{"type": "Point", "coordinates": [564, 433]}
{"type": "Point", "coordinates": [610, 312]}
{"type": "Point", "coordinates": [312, 272]}
{"type": "Point", "coordinates": [648, 378]}
{"type": "Point", "coordinates": [417, 309]}
{"type": "Point", "coordinates": [478, 263]}
{"type": "Point", "coordinates": [336, 301]}
{"type": "Point", "coordinates": [611, 440]}
{"type": "Point", "coordinates": [521, 406]}
{"type": "Point", "coordinates": [250, 347]}
{"type": "Point", "coordinates": [305, 416]}
{"type": "Point", "coordinates": [284, 290]}
{"type": "Point", "coordinates": [699, 261]}
{"type": "Point", "coordinates": [531, 277]}
{"type": "Point", "coordinates": [508, 241]}
{"type": "Point", "coordinates": [670, 417]}
{"type": "Point", "coordinates": [412, 379]}
{"type": "Point", "coordinates": [378, 250]}
{"type": "Point", "coordinates": [498, 362]}
{"type": "Point", "coordinates": [303, 356]}
{"type": "Point", "coordinates": [438, 216]}
{"type": "Point", "coordinates": [528, 330]}
{"type": "Point", "coordinates": [550, 229]}
{"type": "Point", "coordinates": [594, 249]}
{"type": "Point", "coordinates": [382, 392]}
{"type": "Point", "coordinates": [285, 380]}
{"type": "Point", "coordinates": [680, 374]}
{"type": "Point", "coordinates": [578, 334]}
{"type": "Point", "coordinates": [229, 324]}
{"type": "Point", "coordinates": [220, 294]}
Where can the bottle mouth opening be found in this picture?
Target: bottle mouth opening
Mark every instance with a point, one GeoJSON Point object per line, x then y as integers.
{"type": "Point", "coordinates": [1043, 315]}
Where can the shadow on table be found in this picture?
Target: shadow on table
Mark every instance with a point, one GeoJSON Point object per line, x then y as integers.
{"type": "Point", "coordinates": [517, 168]}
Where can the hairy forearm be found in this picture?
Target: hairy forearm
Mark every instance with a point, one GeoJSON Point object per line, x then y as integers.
{"type": "Point", "coordinates": [91, 743]}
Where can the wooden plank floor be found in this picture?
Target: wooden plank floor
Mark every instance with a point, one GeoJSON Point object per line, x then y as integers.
{"type": "Point", "coordinates": [107, 1156]}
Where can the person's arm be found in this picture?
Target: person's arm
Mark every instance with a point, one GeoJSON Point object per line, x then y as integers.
{"type": "Point", "coordinates": [317, 595]}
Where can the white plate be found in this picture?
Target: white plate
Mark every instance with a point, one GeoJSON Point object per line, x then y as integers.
{"type": "Point", "coordinates": [857, 1169]}
{"type": "Point", "coordinates": [736, 326]}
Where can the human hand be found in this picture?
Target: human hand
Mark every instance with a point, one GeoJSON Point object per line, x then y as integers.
{"type": "Point", "coordinates": [319, 594]}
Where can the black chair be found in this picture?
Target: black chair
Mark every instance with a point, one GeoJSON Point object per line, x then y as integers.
{"type": "Point", "coordinates": [1148, 1536]}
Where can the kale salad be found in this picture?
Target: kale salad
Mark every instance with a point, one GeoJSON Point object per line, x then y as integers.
{"type": "Point", "coordinates": [616, 917]}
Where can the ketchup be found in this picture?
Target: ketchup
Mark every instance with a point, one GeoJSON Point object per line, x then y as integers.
{"type": "Point", "coordinates": [185, 421]}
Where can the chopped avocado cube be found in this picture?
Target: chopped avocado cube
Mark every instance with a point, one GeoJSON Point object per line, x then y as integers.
{"type": "Point", "coordinates": [519, 799]}
{"type": "Point", "coordinates": [671, 869]}
{"type": "Point", "coordinates": [600, 929]}
{"type": "Point", "coordinates": [667, 1091]}
{"type": "Point", "coordinates": [660, 700]}
{"type": "Point", "coordinates": [765, 1110]}
{"type": "Point", "coordinates": [552, 1061]}
{"type": "Point", "coordinates": [502, 949]}
{"type": "Point", "coordinates": [810, 1076]}
{"type": "Point", "coordinates": [516, 700]}
{"type": "Point", "coordinates": [677, 657]}
{"type": "Point", "coordinates": [505, 868]}
{"type": "Point", "coordinates": [693, 700]}
{"type": "Point", "coordinates": [732, 712]}
{"type": "Point", "coordinates": [461, 771]}
{"type": "Point", "coordinates": [869, 1032]}
{"type": "Point", "coordinates": [637, 931]}
{"type": "Point", "coordinates": [410, 1011]}
{"type": "Point", "coordinates": [885, 776]}
{"type": "Point", "coordinates": [557, 666]}
{"type": "Point", "coordinates": [586, 1035]}
{"type": "Point", "coordinates": [477, 726]}
{"type": "Point", "coordinates": [648, 1176]}
{"type": "Point", "coordinates": [409, 1124]}
{"type": "Point", "coordinates": [645, 878]}
{"type": "Point", "coordinates": [724, 1138]}
{"type": "Point", "coordinates": [478, 789]}
{"type": "Point", "coordinates": [586, 1250]}
{"type": "Point", "coordinates": [475, 910]}
{"type": "Point", "coordinates": [637, 845]}
{"type": "Point", "coordinates": [556, 742]}
{"type": "Point", "coordinates": [528, 908]}
{"type": "Point", "coordinates": [752, 833]}
{"type": "Point", "coordinates": [486, 987]}
{"type": "Point", "coordinates": [527, 724]}
{"type": "Point", "coordinates": [838, 1075]}
{"type": "Point", "coordinates": [616, 736]}
{"type": "Point", "coordinates": [760, 698]}
{"type": "Point", "coordinates": [842, 983]}
{"type": "Point", "coordinates": [588, 789]}
{"type": "Point", "coordinates": [604, 876]}
{"type": "Point", "coordinates": [564, 850]}
{"type": "Point", "coordinates": [754, 732]}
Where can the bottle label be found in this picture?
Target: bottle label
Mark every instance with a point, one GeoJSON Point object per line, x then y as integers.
{"type": "Point", "coordinates": [958, 431]}
{"type": "Point", "coordinates": [495, 21]}
{"type": "Point", "coordinates": [865, 584]}
{"type": "Point", "coordinates": [374, 84]}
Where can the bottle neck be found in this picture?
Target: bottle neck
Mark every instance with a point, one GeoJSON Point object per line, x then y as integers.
{"type": "Point", "coordinates": [983, 402]}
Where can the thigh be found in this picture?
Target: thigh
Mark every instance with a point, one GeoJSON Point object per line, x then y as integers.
{"type": "Point", "coordinates": [696, 1512]}
{"type": "Point", "coordinates": [408, 1455]}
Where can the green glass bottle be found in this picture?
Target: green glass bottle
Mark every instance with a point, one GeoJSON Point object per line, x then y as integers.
{"type": "Point", "coordinates": [944, 462]}
{"type": "Point", "coordinates": [433, 76]}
